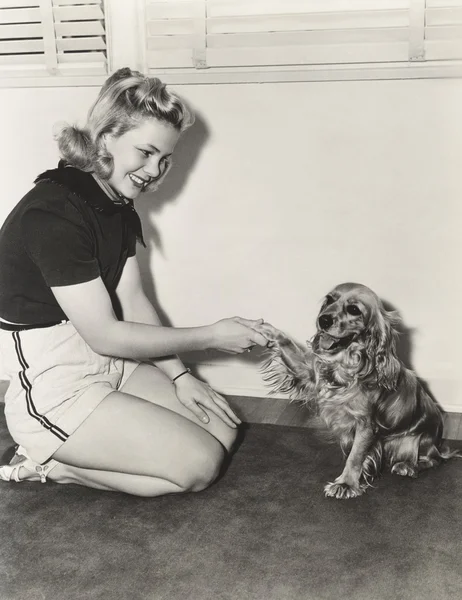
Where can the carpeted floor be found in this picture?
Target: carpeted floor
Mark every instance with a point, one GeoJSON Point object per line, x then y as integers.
{"type": "Point", "coordinates": [264, 531]}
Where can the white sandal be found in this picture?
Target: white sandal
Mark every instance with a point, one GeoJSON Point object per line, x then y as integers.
{"type": "Point", "coordinates": [10, 472]}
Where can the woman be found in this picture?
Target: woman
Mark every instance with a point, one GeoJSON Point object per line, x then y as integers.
{"type": "Point", "coordinates": [97, 395]}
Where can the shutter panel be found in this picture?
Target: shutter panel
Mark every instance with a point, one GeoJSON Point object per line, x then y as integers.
{"type": "Point", "coordinates": [306, 32]}
{"type": "Point", "coordinates": [176, 33]}
{"type": "Point", "coordinates": [443, 30]}
{"type": "Point", "coordinates": [40, 38]}
{"type": "Point", "coordinates": [219, 36]}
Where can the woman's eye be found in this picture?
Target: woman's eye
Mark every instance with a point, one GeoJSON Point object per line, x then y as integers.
{"type": "Point", "coordinates": [145, 153]}
{"type": "Point", "coordinates": [352, 309]}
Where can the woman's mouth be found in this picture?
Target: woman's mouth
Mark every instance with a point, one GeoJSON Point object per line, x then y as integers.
{"type": "Point", "coordinates": [138, 181]}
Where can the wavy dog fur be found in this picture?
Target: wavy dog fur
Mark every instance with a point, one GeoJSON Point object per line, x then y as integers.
{"type": "Point", "coordinates": [350, 373]}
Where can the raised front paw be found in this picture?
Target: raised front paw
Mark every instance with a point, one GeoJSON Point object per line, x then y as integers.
{"type": "Point", "coordinates": [275, 336]}
{"type": "Point", "coordinates": [343, 491]}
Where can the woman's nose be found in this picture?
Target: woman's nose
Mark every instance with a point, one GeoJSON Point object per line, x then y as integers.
{"type": "Point", "coordinates": [152, 167]}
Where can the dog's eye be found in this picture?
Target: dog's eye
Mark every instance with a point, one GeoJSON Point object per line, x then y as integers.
{"type": "Point", "coordinates": [352, 309]}
{"type": "Point", "coordinates": [328, 300]}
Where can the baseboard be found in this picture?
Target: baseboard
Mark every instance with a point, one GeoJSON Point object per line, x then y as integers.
{"type": "Point", "coordinates": [246, 380]}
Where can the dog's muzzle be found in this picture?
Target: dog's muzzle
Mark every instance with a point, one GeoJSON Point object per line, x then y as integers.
{"type": "Point", "coordinates": [328, 343]}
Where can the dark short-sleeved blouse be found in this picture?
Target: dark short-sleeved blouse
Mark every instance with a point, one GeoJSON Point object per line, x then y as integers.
{"type": "Point", "coordinates": [64, 231]}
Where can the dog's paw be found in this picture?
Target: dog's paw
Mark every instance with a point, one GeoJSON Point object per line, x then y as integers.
{"type": "Point", "coordinates": [404, 469]}
{"type": "Point", "coordinates": [343, 491]}
{"type": "Point", "coordinates": [273, 335]}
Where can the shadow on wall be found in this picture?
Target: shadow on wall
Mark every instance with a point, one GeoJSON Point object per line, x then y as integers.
{"type": "Point", "coordinates": [404, 348]}
{"type": "Point", "coordinates": [185, 157]}
{"type": "Point", "coordinates": [404, 342]}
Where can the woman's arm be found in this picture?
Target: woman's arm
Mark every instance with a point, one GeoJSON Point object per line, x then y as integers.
{"type": "Point", "coordinates": [137, 307]}
{"type": "Point", "coordinates": [88, 306]}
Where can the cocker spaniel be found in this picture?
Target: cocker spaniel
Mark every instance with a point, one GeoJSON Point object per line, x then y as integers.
{"type": "Point", "coordinates": [350, 372]}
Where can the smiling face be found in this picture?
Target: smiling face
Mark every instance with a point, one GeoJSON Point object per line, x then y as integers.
{"type": "Point", "coordinates": [141, 155]}
{"type": "Point", "coordinates": [344, 316]}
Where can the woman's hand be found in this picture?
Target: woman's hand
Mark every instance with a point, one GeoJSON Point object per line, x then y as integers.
{"type": "Point", "coordinates": [195, 394]}
{"type": "Point", "coordinates": [236, 335]}
{"type": "Point", "coordinates": [270, 332]}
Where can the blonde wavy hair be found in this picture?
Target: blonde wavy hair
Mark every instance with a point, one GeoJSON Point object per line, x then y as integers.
{"type": "Point", "coordinates": [124, 101]}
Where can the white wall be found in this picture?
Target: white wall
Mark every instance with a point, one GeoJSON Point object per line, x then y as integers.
{"type": "Point", "coordinates": [281, 191]}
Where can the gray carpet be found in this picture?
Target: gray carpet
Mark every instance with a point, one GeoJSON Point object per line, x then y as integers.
{"type": "Point", "coordinates": [264, 531]}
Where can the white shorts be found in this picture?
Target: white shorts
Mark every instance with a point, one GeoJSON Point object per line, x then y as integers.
{"type": "Point", "coordinates": [56, 382]}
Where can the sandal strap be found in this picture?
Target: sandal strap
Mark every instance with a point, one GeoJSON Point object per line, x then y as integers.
{"type": "Point", "coordinates": [21, 459]}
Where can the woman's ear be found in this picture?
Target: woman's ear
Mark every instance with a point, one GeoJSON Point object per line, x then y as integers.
{"type": "Point", "coordinates": [381, 347]}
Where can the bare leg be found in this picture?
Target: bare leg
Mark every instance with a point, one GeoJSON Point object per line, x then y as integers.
{"type": "Point", "coordinates": [134, 446]}
{"type": "Point", "coordinates": [150, 383]}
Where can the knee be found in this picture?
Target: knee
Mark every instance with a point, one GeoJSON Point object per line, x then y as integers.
{"type": "Point", "coordinates": [228, 438]}
{"type": "Point", "coordinates": [201, 468]}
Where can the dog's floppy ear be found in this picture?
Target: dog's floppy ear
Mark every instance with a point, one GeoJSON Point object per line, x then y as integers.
{"type": "Point", "coordinates": [381, 347]}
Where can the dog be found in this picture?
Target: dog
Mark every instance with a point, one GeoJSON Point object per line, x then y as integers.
{"type": "Point", "coordinates": [350, 372]}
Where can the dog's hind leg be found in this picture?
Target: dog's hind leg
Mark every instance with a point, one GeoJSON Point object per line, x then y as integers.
{"type": "Point", "coordinates": [408, 455]}
{"type": "Point", "coordinates": [402, 455]}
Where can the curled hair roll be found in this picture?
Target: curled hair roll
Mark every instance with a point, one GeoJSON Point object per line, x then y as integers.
{"type": "Point", "coordinates": [75, 146]}
{"type": "Point", "coordinates": [124, 101]}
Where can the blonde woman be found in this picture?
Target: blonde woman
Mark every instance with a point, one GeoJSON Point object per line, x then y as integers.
{"type": "Point", "coordinates": [97, 394]}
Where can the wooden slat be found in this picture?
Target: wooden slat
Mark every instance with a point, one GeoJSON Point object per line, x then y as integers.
{"type": "Point", "coordinates": [169, 58]}
{"type": "Point", "coordinates": [83, 57]}
{"type": "Point", "coordinates": [80, 44]}
{"type": "Point", "coordinates": [73, 2]}
{"type": "Point", "coordinates": [21, 15]}
{"type": "Point", "coordinates": [17, 3]}
{"type": "Point", "coordinates": [304, 22]}
{"type": "Point", "coordinates": [440, 3]}
{"type": "Point", "coordinates": [159, 42]}
{"type": "Point", "coordinates": [29, 30]}
{"type": "Point", "coordinates": [23, 46]}
{"type": "Point", "coordinates": [89, 12]}
{"type": "Point", "coordinates": [443, 16]}
{"type": "Point", "coordinates": [299, 38]}
{"type": "Point", "coordinates": [171, 10]}
{"type": "Point", "coordinates": [449, 32]}
{"type": "Point", "coordinates": [440, 50]}
{"type": "Point", "coordinates": [312, 55]}
{"type": "Point", "coordinates": [17, 59]}
{"type": "Point", "coordinates": [221, 8]}
{"type": "Point", "coordinates": [85, 28]}
{"type": "Point", "coordinates": [170, 27]}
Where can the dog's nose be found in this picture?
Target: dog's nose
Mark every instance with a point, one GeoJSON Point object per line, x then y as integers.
{"type": "Point", "coordinates": [325, 321]}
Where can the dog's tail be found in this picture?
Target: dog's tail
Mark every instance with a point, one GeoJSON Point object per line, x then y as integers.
{"type": "Point", "coordinates": [433, 454]}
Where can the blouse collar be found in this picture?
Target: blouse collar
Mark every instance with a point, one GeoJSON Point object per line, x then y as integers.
{"type": "Point", "coordinates": [94, 193]}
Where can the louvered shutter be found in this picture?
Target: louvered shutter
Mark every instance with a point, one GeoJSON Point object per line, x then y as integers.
{"type": "Point", "coordinates": [443, 30]}
{"type": "Point", "coordinates": [219, 36]}
{"type": "Point", "coordinates": [52, 38]}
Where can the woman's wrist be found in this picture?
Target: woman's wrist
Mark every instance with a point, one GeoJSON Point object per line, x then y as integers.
{"type": "Point", "coordinates": [185, 371]}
